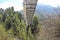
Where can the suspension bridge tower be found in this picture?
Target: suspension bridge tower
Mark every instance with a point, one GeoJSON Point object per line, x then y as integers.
{"type": "Point", "coordinates": [29, 9]}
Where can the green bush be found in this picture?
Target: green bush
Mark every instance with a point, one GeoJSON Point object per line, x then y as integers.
{"type": "Point", "coordinates": [5, 35]}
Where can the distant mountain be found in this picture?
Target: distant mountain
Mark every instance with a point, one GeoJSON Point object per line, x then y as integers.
{"type": "Point", "coordinates": [44, 11]}
{"type": "Point", "coordinates": [44, 8]}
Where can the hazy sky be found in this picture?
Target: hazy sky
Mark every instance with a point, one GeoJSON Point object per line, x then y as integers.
{"type": "Point", "coordinates": [18, 4]}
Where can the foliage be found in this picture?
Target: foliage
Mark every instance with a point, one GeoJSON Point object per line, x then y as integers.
{"type": "Point", "coordinates": [5, 35]}
{"type": "Point", "coordinates": [12, 25]}
{"type": "Point", "coordinates": [35, 23]}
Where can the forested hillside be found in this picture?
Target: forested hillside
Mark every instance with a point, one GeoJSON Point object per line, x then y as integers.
{"type": "Point", "coordinates": [13, 27]}
{"type": "Point", "coordinates": [44, 25]}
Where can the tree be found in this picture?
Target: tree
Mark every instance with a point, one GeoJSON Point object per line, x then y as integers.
{"type": "Point", "coordinates": [8, 17]}
{"type": "Point", "coordinates": [1, 17]}
{"type": "Point", "coordinates": [35, 23]}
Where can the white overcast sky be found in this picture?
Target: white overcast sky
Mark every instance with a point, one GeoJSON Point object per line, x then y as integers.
{"type": "Point", "coordinates": [18, 4]}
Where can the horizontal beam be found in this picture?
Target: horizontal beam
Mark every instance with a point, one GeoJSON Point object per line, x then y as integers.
{"type": "Point", "coordinates": [29, 4]}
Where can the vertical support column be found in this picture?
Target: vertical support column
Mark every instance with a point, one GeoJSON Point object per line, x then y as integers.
{"type": "Point", "coordinates": [29, 9]}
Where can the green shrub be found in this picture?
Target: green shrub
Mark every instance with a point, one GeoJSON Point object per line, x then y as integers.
{"type": "Point", "coordinates": [5, 35]}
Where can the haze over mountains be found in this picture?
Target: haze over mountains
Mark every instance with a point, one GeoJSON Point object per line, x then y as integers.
{"type": "Point", "coordinates": [45, 8]}
{"type": "Point", "coordinates": [44, 11]}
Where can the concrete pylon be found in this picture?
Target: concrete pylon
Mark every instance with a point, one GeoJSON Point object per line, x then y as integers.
{"type": "Point", "coordinates": [29, 9]}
